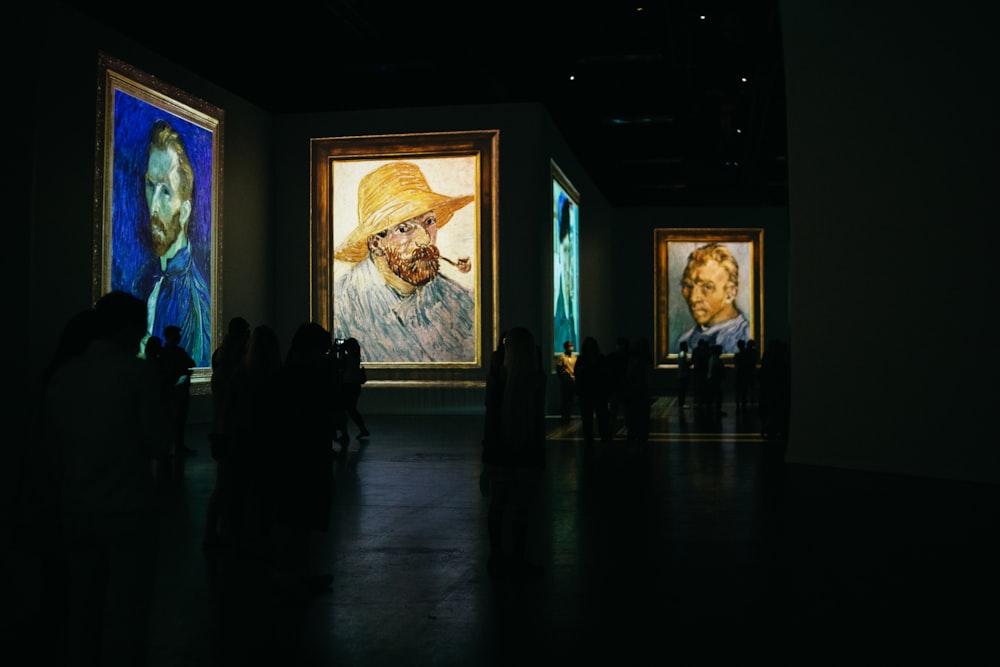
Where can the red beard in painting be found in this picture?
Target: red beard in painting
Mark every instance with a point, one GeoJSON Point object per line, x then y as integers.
{"type": "Point", "coordinates": [164, 233]}
{"type": "Point", "coordinates": [418, 268]}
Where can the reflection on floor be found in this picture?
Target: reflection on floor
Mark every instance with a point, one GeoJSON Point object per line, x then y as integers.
{"type": "Point", "coordinates": [697, 545]}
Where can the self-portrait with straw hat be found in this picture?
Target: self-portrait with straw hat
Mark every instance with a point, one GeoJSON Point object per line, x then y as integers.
{"type": "Point", "coordinates": [394, 298]}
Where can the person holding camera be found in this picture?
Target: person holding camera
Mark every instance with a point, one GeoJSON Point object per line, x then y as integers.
{"type": "Point", "coordinates": [353, 378]}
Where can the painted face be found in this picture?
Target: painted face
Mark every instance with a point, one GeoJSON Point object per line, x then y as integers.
{"type": "Point", "coordinates": [165, 232]}
{"type": "Point", "coordinates": [410, 249]}
{"type": "Point", "coordinates": [708, 293]}
{"type": "Point", "coordinates": [168, 212]}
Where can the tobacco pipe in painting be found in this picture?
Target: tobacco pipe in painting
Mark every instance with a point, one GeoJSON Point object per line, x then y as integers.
{"type": "Point", "coordinates": [464, 264]}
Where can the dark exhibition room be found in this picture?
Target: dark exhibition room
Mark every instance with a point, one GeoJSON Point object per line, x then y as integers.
{"type": "Point", "coordinates": [373, 333]}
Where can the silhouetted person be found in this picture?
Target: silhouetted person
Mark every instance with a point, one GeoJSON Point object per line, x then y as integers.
{"type": "Point", "coordinates": [225, 360]}
{"type": "Point", "coordinates": [617, 381]}
{"type": "Point", "coordinates": [639, 396]}
{"type": "Point", "coordinates": [75, 337]}
{"type": "Point", "coordinates": [36, 533]}
{"type": "Point", "coordinates": [496, 358]}
{"type": "Point", "coordinates": [351, 382]}
{"type": "Point", "coordinates": [775, 390]}
{"type": "Point", "coordinates": [744, 363]}
{"type": "Point", "coordinates": [178, 366]}
{"type": "Point", "coordinates": [565, 366]}
{"type": "Point", "coordinates": [303, 474]}
{"type": "Point", "coordinates": [699, 373]}
{"type": "Point", "coordinates": [153, 350]}
{"type": "Point", "coordinates": [102, 423]}
{"type": "Point", "coordinates": [683, 375]}
{"type": "Point", "coordinates": [752, 363]}
{"type": "Point", "coordinates": [514, 451]}
{"type": "Point", "coordinates": [336, 364]}
{"type": "Point", "coordinates": [592, 381]}
{"type": "Point", "coordinates": [252, 424]}
{"type": "Point", "coordinates": [715, 379]}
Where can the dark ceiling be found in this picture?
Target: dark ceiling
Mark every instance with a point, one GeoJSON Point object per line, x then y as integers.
{"type": "Point", "coordinates": [677, 103]}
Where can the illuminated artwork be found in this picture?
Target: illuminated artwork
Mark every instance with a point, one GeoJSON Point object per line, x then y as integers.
{"type": "Point", "coordinates": [159, 226]}
{"type": "Point", "coordinates": [708, 286]}
{"type": "Point", "coordinates": [407, 233]}
{"type": "Point", "coordinates": [565, 263]}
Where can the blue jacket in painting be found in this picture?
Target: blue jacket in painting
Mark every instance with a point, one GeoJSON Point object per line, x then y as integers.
{"type": "Point", "coordinates": [179, 296]}
{"type": "Point", "coordinates": [434, 323]}
{"type": "Point", "coordinates": [727, 334]}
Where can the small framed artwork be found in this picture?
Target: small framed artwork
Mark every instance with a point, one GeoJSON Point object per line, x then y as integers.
{"type": "Point", "coordinates": [565, 263]}
{"type": "Point", "coordinates": [158, 218]}
{"type": "Point", "coordinates": [709, 288]}
{"type": "Point", "coordinates": [404, 234]}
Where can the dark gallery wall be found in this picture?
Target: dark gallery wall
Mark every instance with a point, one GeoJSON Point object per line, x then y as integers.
{"type": "Point", "coordinates": [892, 127]}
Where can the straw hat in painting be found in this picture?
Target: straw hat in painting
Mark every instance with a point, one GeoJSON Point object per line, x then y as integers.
{"type": "Point", "coordinates": [389, 195]}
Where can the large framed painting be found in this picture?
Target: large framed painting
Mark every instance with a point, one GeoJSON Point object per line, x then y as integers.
{"type": "Point", "coordinates": [565, 263]}
{"type": "Point", "coordinates": [709, 287]}
{"type": "Point", "coordinates": [158, 218]}
{"type": "Point", "coordinates": [404, 235]}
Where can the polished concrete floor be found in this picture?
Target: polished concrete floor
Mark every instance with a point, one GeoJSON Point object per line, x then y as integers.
{"type": "Point", "coordinates": [700, 546]}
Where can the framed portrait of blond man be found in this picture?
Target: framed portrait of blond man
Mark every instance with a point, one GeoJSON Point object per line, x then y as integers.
{"type": "Point", "coordinates": [158, 219]}
{"type": "Point", "coordinates": [708, 291]}
{"type": "Point", "coordinates": [403, 239]}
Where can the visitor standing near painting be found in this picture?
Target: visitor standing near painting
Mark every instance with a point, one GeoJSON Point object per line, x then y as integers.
{"type": "Point", "coordinates": [639, 396]}
{"type": "Point", "coordinates": [103, 425]}
{"type": "Point", "coordinates": [592, 381]}
{"type": "Point", "coordinates": [513, 452]}
{"type": "Point", "coordinates": [175, 291]}
{"type": "Point", "coordinates": [745, 362]}
{"type": "Point", "coordinates": [684, 363]}
{"type": "Point", "coordinates": [566, 371]}
{"type": "Point", "coordinates": [394, 295]}
{"type": "Point", "coordinates": [301, 474]}
{"type": "Point", "coordinates": [618, 381]}
{"type": "Point", "coordinates": [354, 377]}
{"type": "Point", "coordinates": [178, 366]}
{"type": "Point", "coordinates": [226, 360]}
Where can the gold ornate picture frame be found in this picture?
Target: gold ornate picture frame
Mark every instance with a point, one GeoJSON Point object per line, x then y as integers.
{"type": "Point", "coordinates": [157, 224]}
{"type": "Point", "coordinates": [366, 191]}
{"type": "Point", "coordinates": [674, 319]}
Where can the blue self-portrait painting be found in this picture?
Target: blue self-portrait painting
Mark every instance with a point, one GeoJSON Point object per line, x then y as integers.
{"type": "Point", "coordinates": [162, 218]}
